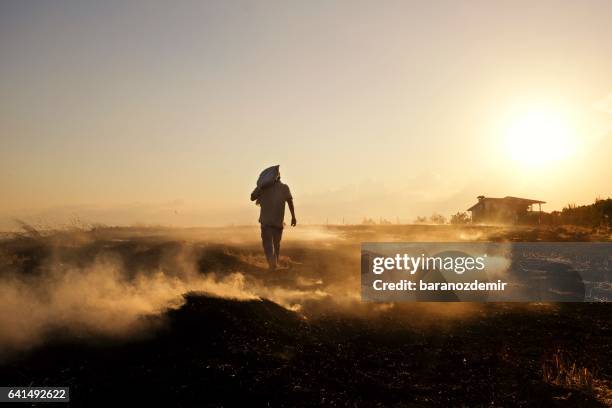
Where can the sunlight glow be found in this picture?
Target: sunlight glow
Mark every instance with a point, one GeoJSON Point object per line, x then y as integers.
{"type": "Point", "coordinates": [539, 138]}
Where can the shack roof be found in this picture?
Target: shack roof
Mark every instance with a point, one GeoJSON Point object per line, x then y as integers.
{"type": "Point", "coordinates": [509, 200]}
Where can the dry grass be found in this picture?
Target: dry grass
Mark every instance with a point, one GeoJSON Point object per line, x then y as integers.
{"type": "Point", "coordinates": [560, 370]}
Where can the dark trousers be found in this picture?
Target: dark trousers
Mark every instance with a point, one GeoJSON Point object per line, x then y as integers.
{"type": "Point", "coordinates": [271, 238]}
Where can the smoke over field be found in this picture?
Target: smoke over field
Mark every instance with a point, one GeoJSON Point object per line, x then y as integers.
{"type": "Point", "coordinates": [95, 282]}
{"type": "Point", "coordinates": [200, 307]}
{"type": "Point", "coordinates": [109, 281]}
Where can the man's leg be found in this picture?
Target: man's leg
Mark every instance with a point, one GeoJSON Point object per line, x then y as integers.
{"type": "Point", "coordinates": [277, 235]}
{"type": "Point", "coordinates": [267, 241]}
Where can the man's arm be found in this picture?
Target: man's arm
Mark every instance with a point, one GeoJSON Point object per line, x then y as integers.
{"type": "Point", "coordinates": [255, 194]}
{"type": "Point", "coordinates": [292, 209]}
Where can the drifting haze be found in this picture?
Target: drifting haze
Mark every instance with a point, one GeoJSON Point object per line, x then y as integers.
{"type": "Point", "coordinates": [119, 282]}
{"type": "Point", "coordinates": [158, 112]}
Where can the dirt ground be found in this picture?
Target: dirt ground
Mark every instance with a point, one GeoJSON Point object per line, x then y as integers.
{"type": "Point", "coordinates": [192, 317]}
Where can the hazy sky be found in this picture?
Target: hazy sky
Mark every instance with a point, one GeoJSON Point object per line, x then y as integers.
{"type": "Point", "coordinates": [165, 112]}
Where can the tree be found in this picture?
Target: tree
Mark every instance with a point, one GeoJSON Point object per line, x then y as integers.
{"type": "Point", "coordinates": [460, 218]}
{"type": "Point", "coordinates": [420, 220]}
{"type": "Point", "coordinates": [437, 218]}
{"type": "Point", "coordinates": [368, 221]}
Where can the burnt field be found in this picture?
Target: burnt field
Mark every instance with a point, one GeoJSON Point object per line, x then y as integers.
{"type": "Point", "coordinates": [193, 318]}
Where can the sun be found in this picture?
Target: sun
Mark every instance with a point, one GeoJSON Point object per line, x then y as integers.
{"type": "Point", "coordinates": [539, 138]}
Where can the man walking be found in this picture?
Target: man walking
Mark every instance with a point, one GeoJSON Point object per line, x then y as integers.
{"type": "Point", "coordinates": [271, 200]}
